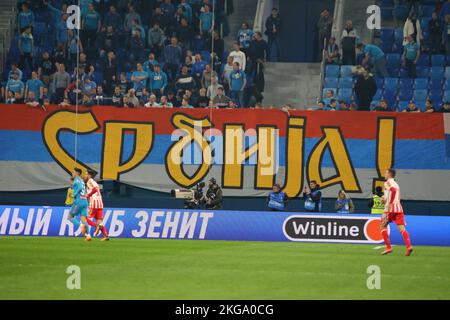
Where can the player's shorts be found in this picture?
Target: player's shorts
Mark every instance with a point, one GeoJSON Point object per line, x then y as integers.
{"type": "Point", "coordinates": [79, 208]}
{"type": "Point", "coordinates": [397, 217]}
{"type": "Point", "coordinates": [96, 213]}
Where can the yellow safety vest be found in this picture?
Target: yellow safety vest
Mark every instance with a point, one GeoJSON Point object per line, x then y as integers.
{"type": "Point", "coordinates": [378, 205]}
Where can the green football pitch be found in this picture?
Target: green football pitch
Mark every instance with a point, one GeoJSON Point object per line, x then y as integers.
{"type": "Point", "coordinates": [35, 268]}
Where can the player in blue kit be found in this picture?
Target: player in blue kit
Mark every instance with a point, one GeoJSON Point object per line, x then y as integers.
{"type": "Point", "coordinates": [80, 204]}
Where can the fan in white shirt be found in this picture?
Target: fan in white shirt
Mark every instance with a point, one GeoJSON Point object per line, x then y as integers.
{"type": "Point", "coordinates": [238, 56]}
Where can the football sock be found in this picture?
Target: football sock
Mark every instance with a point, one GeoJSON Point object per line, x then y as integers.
{"type": "Point", "coordinates": [91, 223]}
{"type": "Point", "coordinates": [385, 235]}
{"type": "Point", "coordinates": [88, 228]}
{"type": "Point", "coordinates": [105, 234]}
{"type": "Point", "coordinates": [405, 235]}
{"type": "Point", "coordinates": [75, 222]}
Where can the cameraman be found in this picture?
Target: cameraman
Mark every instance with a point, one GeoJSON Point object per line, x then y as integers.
{"type": "Point", "coordinates": [213, 197]}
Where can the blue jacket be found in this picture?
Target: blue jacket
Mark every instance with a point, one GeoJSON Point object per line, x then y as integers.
{"type": "Point", "coordinates": [313, 201]}
{"type": "Point", "coordinates": [157, 80]}
{"type": "Point", "coordinates": [277, 201]}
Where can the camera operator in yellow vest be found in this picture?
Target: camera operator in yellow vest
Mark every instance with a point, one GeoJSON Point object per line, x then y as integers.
{"type": "Point", "coordinates": [376, 204]}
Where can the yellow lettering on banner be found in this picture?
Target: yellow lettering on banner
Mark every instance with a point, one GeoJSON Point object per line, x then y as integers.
{"type": "Point", "coordinates": [192, 133]}
{"type": "Point", "coordinates": [295, 140]}
{"type": "Point", "coordinates": [345, 175]}
{"type": "Point", "coordinates": [385, 149]}
{"type": "Point", "coordinates": [66, 120]}
{"type": "Point", "coordinates": [266, 166]}
{"type": "Point", "coordinates": [112, 164]}
{"type": "Point", "coordinates": [235, 156]}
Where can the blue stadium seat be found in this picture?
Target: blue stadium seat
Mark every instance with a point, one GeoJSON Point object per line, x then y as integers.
{"type": "Point", "coordinates": [436, 73]}
{"type": "Point", "coordinates": [380, 82]}
{"type": "Point", "coordinates": [390, 96]}
{"type": "Point", "coordinates": [447, 72]}
{"type": "Point", "coordinates": [387, 3]}
{"type": "Point", "coordinates": [390, 83]}
{"type": "Point", "coordinates": [420, 95]}
{"type": "Point", "coordinates": [446, 95]}
{"type": "Point", "coordinates": [403, 73]}
{"type": "Point", "coordinates": [424, 60]}
{"type": "Point", "coordinates": [387, 13]}
{"type": "Point", "coordinates": [374, 104]}
{"type": "Point", "coordinates": [345, 94]}
{"type": "Point", "coordinates": [447, 84]}
{"type": "Point", "coordinates": [424, 23]}
{"type": "Point", "coordinates": [426, 10]}
{"type": "Point", "coordinates": [402, 105]}
{"type": "Point", "coordinates": [435, 84]}
{"type": "Point", "coordinates": [405, 83]}
{"type": "Point", "coordinates": [398, 35]}
{"type": "Point", "coordinates": [401, 12]}
{"type": "Point", "coordinates": [436, 95]}
{"type": "Point", "coordinates": [423, 72]}
{"type": "Point", "coordinates": [346, 71]}
{"type": "Point", "coordinates": [378, 95]}
{"type": "Point", "coordinates": [421, 105]}
{"type": "Point", "coordinates": [393, 59]}
{"type": "Point", "coordinates": [438, 60]}
{"type": "Point", "coordinates": [421, 83]}
{"type": "Point", "coordinates": [393, 72]}
{"type": "Point", "coordinates": [386, 47]}
{"type": "Point", "coordinates": [331, 82]}
{"type": "Point", "coordinates": [346, 83]}
{"type": "Point", "coordinates": [405, 94]}
{"type": "Point", "coordinates": [387, 35]}
{"type": "Point", "coordinates": [332, 71]}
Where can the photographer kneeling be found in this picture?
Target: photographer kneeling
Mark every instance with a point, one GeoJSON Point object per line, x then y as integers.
{"type": "Point", "coordinates": [213, 197]}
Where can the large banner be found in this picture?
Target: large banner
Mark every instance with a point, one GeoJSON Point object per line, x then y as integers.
{"type": "Point", "coordinates": [224, 225]}
{"type": "Point", "coordinates": [245, 150]}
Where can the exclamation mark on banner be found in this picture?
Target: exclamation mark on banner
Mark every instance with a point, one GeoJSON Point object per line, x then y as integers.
{"type": "Point", "coordinates": [385, 149]}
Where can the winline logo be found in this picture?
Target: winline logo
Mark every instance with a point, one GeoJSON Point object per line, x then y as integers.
{"type": "Point", "coordinates": [310, 228]}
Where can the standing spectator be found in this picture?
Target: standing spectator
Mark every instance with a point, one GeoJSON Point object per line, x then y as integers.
{"type": "Point", "coordinates": [375, 56]}
{"type": "Point", "coordinates": [213, 88]}
{"type": "Point", "coordinates": [157, 81]}
{"type": "Point", "coordinates": [273, 31]}
{"type": "Point", "coordinates": [110, 69]}
{"type": "Point", "coordinates": [258, 52]}
{"type": "Point", "coordinates": [203, 100]}
{"type": "Point", "coordinates": [61, 80]}
{"type": "Point", "coordinates": [313, 197]}
{"type": "Point", "coordinates": [343, 203]}
{"type": "Point", "coordinates": [155, 39]}
{"type": "Point", "coordinates": [446, 34]}
{"type": "Point", "coordinates": [237, 84]}
{"type": "Point", "coordinates": [124, 84]}
{"type": "Point", "coordinates": [412, 28]}
{"type": "Point", "coordinates": [348, 44]}
{"type": "Point", "coordinates": [113, 19]}
{"type": "Point", "coordinates": [185, 33]}
{"type": "Point", "coordinates": [25, 18]}
{"type": "Point", "coordinates": [332, 52]}
{"type": "Point", "coordinates": [435, 34]}
{"type": "Point", "coordinates": [74, 46]}
{"type": "Point", "coordinates": [324, 26]}
{"type": "Point", "coordinates": [26, 45]}
{"type": "Point", "coordinates": [332, 106]}
{"type": "Point", "coordinates": [35, 86]}
{"type": "Point", "coordinates": [139, 79]}
{"type": "Point", "coordinates": [91, 25]}
{"type": "Point", "coordinates": [62, 31]}
{"type": "Point", "coordinates": [277, 200]}
{"type": "Point", "coordinates": [173, 55]}
{"type": "Point", "coordinates": [238, 56]}
{"type": "Point", "coordinates": [136, 46]}
{"type": "Point", "coordinates": [365, 89]}
{"type": "Point", "coordinates": [219, 45]}
{"type": "Point", "coordinates": [46, 68]}
{"type": "Point", "coordinates": [244, 37]}
{"type": "Point", "coordinates": [207, 76]}
{"type": "Point", "coordinates": [130, 17]}
{"type": "Point", "coordinates": [206, 24]}
{"type": "Point", "coordinates": [411, 55]}
{"type": "Point", "coordinates": [16, 87]}
{"type": "Point", "coordinates": [445, 107]}
{"type": "Point", "coordinates": [186, 9]}
{"type": "Point", "coordinates": [109, 39]}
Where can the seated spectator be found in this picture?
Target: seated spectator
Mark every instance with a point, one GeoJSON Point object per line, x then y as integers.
{"type": "Point", "coordinates": [16, 87]}
{"type": "Point", "coordinates": [124, 84]}
{"type": "Point", "coordinates": [87, 101]}
{"type": "Point", "coordinates": [185, 103]}
{"type": "Point", "coordinates": [329, 95]}
{"type": "Point", "coordinates": [332, 52]}
{"type": "Point", "coordinates": [343, 203]}
{"type": "Point", "coordinates": [10, 97]}
{"type": "Point", "coordinates": [212, 88]}
{"type": "Point", "coordinates": [31, 100]}
{"type": "Point", "coordinates": [343, 106]}
{"type": "Point", "coordinates": [100, 98]}
{"type": "Point", "coordinates": [320, 105]}
{"type": "Point", "coordinates": [445, 107]}
{"type": "Point", "coordinates": [172, 99]}
{"type": "Point", "coordinates": [15, 69]}
{"type": "Point", "coordinates": [332, 106]}
{"type": "Point", "coordinates": [382, 106]}
{"type": "Point", "coordinates": [185, 81]}
{"type": "Point", "coordinates": [65, 103]}
{"type": "Point", "coordinates": [221, 100]}
{"type": "Point", "coordinates": [207, 76]}
{"type": "Point", "coordinates": [117, 97]}
{"type": "Point", "coordinates": [429, 106]}
{"type": "Point", "coordinates": [203, 100]}
{"type": "Point", "coordinates": [88, 87]}
{"type": "Point", "coordinates": [412, 108]}
{"type": "Point", "coordinates": [164, 103]}
{"type": "Point", "coordinates": [131, 99]}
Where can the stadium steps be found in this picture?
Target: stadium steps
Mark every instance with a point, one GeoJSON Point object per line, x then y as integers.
{"type": "Point", "coordinates": [244, 11]}
{"type": "Point", "coordinates": [8, 12]}
{"type": "Point", "coordinates": [293, 83]}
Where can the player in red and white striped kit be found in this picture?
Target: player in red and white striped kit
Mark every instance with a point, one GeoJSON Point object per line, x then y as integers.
{"type": "Point", "coordinates": [393, 212]}
{"type": "Point", "coordinates": [95, 204]}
